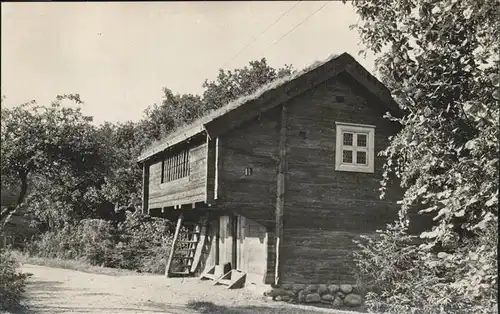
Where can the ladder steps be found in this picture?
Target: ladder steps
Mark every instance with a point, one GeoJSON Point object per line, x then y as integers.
{"type": "Point", "coordinates": [185, 250]}
{"type": "Point", "coordinates": [189, 241]}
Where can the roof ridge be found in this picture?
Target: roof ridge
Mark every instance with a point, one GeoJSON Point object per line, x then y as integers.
{"type": "Point", "coordinates": [212, 114]}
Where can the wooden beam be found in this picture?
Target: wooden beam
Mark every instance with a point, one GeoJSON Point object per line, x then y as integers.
{"type": "Point", "coordinates": [280, 192]}
{"type": "Point", "coordinates": [210, 170]}
{"type": "Point", "coordinates": [145, 188]}
{"type": "Point", "coordinates": [219, 166]}
{"type": "Point", "coordinates": [174, 242]}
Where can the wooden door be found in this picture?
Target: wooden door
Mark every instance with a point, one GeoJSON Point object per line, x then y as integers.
{"type": "Point", "coordinates": [251, 249]}
{"type": "Point", "coordinates": [227, 240]}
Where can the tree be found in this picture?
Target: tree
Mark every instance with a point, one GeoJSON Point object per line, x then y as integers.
{"type": "Point", "coordinates": [174, 111]}
{"type": "Point", "coordinates": [55, 149]}
{"type": "Point", "coordinates": [230, 85]}
{"type": "Point", "coordinates": [440, 59]}
{"type": "Point", "coordinates": [122, 185]}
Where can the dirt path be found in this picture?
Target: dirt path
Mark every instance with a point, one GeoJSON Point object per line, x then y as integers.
{"type": "Point", "coordinates": [55, 290]}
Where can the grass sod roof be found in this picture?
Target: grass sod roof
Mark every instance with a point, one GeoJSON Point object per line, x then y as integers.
{"type": "Point", "coordinates": [199, 126]}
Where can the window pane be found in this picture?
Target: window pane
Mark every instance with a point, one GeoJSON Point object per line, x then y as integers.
{"type": "Point", "coordinates": [347, 156]}
{"type": "Point", "coordinates": [348, 139]}
{"type": "Point", "coordinates": [361, 158]}
{"type": "Point", "coordinates": [361, 140]}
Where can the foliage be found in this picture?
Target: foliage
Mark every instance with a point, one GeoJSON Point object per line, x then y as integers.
{"type": "Point", "coordinates": [139, 243]}
{"type": "Point", "coordinates": [440, 60]}
{"type": "Point", "coordinates": [56, 150]}
{"type": "Point", "coordinates": [403, 278]}
{"type": "Point", "coordinates": [123, 184]}
{"type": "Point", "coordinates": [230, 85]}
{"type": "Point", "coordinates": [12, 281]}
{"type": "Point", "coordinates": [144, 243]}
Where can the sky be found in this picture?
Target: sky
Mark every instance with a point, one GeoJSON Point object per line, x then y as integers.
{"type": "Point", "coordinates": [119, 55]}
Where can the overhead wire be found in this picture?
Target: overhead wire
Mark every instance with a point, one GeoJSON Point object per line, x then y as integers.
{"type": "Point", "coordinates": [263, 32]}
{"type": "Point", "coordinates": [295, 27]}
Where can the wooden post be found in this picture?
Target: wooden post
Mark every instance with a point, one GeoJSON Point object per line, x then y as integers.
{"type": "Point", "coordinates": [280, 192]}
{"type": "Point", "coordinates": [217, 240]}
{"type": "Point", "coordinates": [145, 188]}
{"type": "Point", "coordinates": [210, 170]}
{"type": "Point", "coordinates": [219, 158]}
{"type": "Point", "coordinates": [174, 242]}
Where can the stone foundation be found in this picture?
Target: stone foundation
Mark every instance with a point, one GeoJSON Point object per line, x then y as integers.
{"type": "Point", "coordinates": [344, 295]}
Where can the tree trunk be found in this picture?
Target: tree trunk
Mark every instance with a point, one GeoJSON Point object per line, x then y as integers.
{"type": "Point", "coordinates": [24, 187]}
{"type": "Point", "coordinates": [11, 210]}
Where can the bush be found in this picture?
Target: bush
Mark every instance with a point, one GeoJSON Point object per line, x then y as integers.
{"type": "Point", "coordinates": [405, 277]}
{"type": "Point", "coordinates": [144, 243]}
{"type": "Point", "coordinates": [12, 281]}
{"type": "Point", "coordinates": [90, 240]}
{"type": "Point", "coordinates": [139, 243]}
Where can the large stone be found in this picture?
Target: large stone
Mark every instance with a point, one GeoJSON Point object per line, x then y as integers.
{"type": "Point", "coordinates": [327, 297]}
{"type": "Point", "coordinates": [322, 289]}
{"type": "Point", "coordinates": [346, 289]}
{"type": "Point", "coordinates": [333, 288]}
{"type": "Point", "coordinates": [353, 300]}
{"type": "Point", "coordinates": [302, 296]}
{"type": "Point", "coordinates": [337, 302]}
{"type": "Point", "coordinates": [311, 288]}
{"type": "Point", "coordinates": [298, 287]}
{"type": "Point", "coordinates": [313, 297]}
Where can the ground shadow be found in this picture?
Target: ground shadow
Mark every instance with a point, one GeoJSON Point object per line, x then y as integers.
{"type": "Point", "coordinates": [209, 307]}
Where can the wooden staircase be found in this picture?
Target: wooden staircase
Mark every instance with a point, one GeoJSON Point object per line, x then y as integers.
{"type": "Point", "coordinates": [187, 247]}
{"type": "Point", "coordinates": [232, 279]}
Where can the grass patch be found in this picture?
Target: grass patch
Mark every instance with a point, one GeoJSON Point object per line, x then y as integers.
{"type": "Point", "coordinates": [78, 265]}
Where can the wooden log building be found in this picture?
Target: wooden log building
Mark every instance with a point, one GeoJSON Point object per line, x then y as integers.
{"type": "Point", "coordinates": [272, 188]}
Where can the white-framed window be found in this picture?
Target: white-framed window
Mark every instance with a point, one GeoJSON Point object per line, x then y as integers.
{"type": "Point", "coordinates": [355, 147]}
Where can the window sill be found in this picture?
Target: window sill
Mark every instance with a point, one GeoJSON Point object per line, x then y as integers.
{"type": "Point", "coordinates": [355, 168]}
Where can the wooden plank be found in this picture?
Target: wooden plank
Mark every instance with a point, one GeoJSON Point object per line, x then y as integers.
{"type": "Point", "coordinates": [174, 168]}
{"type": "Point", "coordinates": [185, 166]}
{"type": "Point", "coordinates": [167, 171]}
{"type": "Point", "coordinates": [234, 252]}
{"type": "Point", "coordinates": [145, 188]}
{"type": "Point", "coordinates": [178, 168]}
{"type": "Point", "coordinates": [226, 240]}
{"type": "Point", "coordinates": [210, 170]}
{"type": "Point", "coordinates": [185, 188]}
{"type": "Point", "coordinates": [280, 189]}
{"type": "Point", "coordinates": [174, 242]}
{"type": "Point", "coordinates": [196, 195]}
{"type": "Point", "coordinates": [217, 167]}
